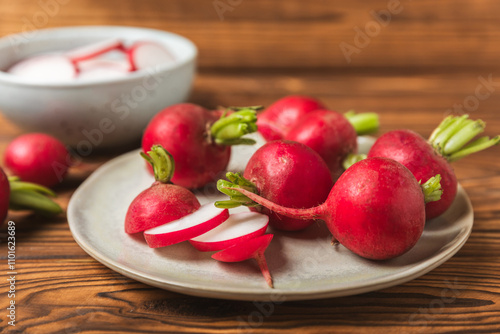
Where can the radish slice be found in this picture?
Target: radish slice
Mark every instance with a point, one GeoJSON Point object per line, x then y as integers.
{"type": "Point", "coordinates": [203, 220]}
{"type": "Point", "coordinates": [93, 50]}
{"type": "Point", "coordinates": [237, 228]}
{"type": "Point", "coordinates": [45, 68]}
{"type": "Point", "coordinates": [148, 54]}
{"type": "Point", "coordinates": [253, 248]}
{"type": "Point", "coordinates": [103, 68]}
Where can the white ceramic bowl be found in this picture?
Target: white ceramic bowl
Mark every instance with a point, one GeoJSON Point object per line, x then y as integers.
{"type": "Point", "coordinates": [93, 113]}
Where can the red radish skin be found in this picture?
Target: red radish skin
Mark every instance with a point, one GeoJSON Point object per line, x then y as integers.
{"type": "Point", "coordinates": [275, 122]}
{"type": "Point", "coordinates": [4, 196]}
{"type": "Point", "coordinates": [289, 174]}
{"type": "Point", "coordinates": [185, 131]}
{"type": "Point", "coordinates": [206, 218]}
{"type": "Point", "coordinates": [249, 249]}
{"type": "Point", "coordinates": [415, 153]}
{"type": "Point", "coordinates": [237, 228]}
{"type": "Point", "coordinates": [161, 203]}
{"type": "Point", "coordinates": [37, 158]}
{"type": "Point", "coordinates": [376, 209]}
{"type": "Point", "coordinates": [328, 133]}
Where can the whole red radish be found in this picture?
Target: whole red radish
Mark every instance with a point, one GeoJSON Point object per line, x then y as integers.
{"type": "Point", "coordinates": [376, 208]}
{"type": "Point", "coordinates": [249, 249]}
{"type": "Point", "coordinates": [332, 135]}
{"type": "Point", "coordinates": [285, 172]}
{"type": "Point", "coordinates": [18, 195]}
{"type": "Point", "coordinates": [426, 158]}
{"type": "Point", "coordinates": [163, 202]}
{"type": "Point", "coordinates": [37, 158]}
{"type": "Point", "coordinates": [275, 122]}
{"type": "Point", "coordinates": [199, 140]}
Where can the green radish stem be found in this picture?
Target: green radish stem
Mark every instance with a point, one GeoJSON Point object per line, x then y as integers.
{"type": "Point", "coordinates": [229, 129]}
{"type": "Point", "coordinates": [432, 189]}
{"type": "Point", "coordinates": [363, 123]}
{"type": "Point", "coordinates": [236, 198]}
{"type": "Point", "coordinates": [452, 136]}
{"type": "Point", "coordinates": [351, 159]}
{"type": "Point", "coordinates": [162, 162]}
{"type": "Point", "coordinates": [31, 196]}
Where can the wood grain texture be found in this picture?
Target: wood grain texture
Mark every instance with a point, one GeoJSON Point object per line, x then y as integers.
{"type": "Point", "coordinates": [427, 62]}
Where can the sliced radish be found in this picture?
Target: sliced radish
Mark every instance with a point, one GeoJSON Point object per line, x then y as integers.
{"type": "Point", "coordinates": [93, 50]}
{"type": "Point", "coordinates": [45, 68]}
{"type": "Point", "coordinates": [203, 220]}
{"type": "Point", "coordinates": [103, 68]}
{"type": "Point", "coordinates": [237, 228]}
{"type": "Point", "coordinates": [252, 248]}
{"type": "Point", "coordinates": [148, 54]}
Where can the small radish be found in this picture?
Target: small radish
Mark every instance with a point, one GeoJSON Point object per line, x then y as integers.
{"type": "Point", "coordinates": [206, 218]}
{"type": "Point", "coordinates": [18, 195]}
{"type": "Point", "coordinates": [163, 202]}
{"type": "Point", "coordinates": [332, 135]}
{"type": "Point", "coordinates": [275, 122]}
{"type": "Point", "coordinates": [249, 249]}
{"type": "Point", "coordinates": [199, 140]}
{"type": "Point", "coordinates": [237, 228]}
{"type": "Point", "coordinates": [146, 54]}
{"type": "Point", "coordinates": [376, 208]}
{"type": "Point", "coordinates": [287, 173]}
{"type": "Point", "coordinates": [93, 50]}
{"type": "Point", "coordinates": [425, 158]}
{"type": "Point", "coordinates": [37, 158]}
{"type": "Point", "coordinates": [45, 68]}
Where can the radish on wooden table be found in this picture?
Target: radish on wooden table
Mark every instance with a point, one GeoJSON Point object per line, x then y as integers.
{"type": "Point", "coordinates": [450, 141]}
{"type": "Point", "coordinates": [199, 139]}
{"type": "Point", "coordinates": [333, 135]}
{"type": "Point", "coordinates": [277, 119]}
{"type": "Point", "coordinates": [376, 208]}
{"type": "Point", "coordinates": [237, 228]}
{"type": "Point", "coordinates": [163, 202]}
{"type": "Point", "coordinates": [249, 249]}
{"type": "Point", "coordinates": [37, 158]}
{"type": "Point", "coordinates": [206, 218]}
{"type": "Point", "coordinates": [285, 172]}
{"type": "Point", "coordinates": [18, 195]}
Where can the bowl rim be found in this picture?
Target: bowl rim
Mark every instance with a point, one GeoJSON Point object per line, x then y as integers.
{"type": "Point", "coordinates": [133, 76]}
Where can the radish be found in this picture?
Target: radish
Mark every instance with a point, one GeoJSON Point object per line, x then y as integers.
{"type": "Point", "coordinates": [144, 54]}
{"type": "Point", "coordinates": [288, 173]}
{"type": "Point", "coordinates": [103, 69]}
{"type": "Point", "coordinates": [332, 135]}
{"type": "Point", "coordinates": [199, 139]}
{"type": "Point", "coordinates": [93, 50]}
{"type": "Point", "coordinates": [424, 158]}
{"type": "Point", "coordinates": [206, 218]}
{"type": "Point", "coordinates": [163, 202]}
{"type": "Point", "coordinates": [45, 68]}
{"type": "Point", "coordinates": [37, 158]}
{"type": "Point", "coordinates": [237, 228]}
{"type": "Point", "coordinates": [275, 122]}
{"type": "Point", "coordinates": [252, 248]}
{"type": "Point", "coordinates": [376, 208]}
{"type": "Point", "coordinates": [18, 195]}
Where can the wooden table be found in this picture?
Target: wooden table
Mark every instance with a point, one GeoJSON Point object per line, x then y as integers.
{"type": "Point", "coordinates": [431, 58]}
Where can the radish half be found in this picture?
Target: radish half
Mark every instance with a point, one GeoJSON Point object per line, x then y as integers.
{"type": "Point", "coordinates": [148, 54]}
{"type": "Point", "coordinates": [45, 68]}
{"type": "Point", "coordinates": [202, 220]}
{"type": "Point", "coordinates": [93, 50]}
{"type": "Point", "coordinates": [237, 228]}
{"type": "Point", "coordinates": [249, 249]}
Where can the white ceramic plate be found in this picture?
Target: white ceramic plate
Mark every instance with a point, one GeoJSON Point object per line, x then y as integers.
{"type": "Point", "coordinates": [304, 265]}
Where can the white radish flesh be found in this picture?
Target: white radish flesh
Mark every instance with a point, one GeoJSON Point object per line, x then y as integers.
{"type": "Point", "coordinates": [45, 68]}
{"type": "Point", "coordinates": [94, 50]}
{"type": "Point", "coordinates": [148, 54]}
{"type": "Point", "coordinates": [203, 220]}
{"type": "Point", "coordinates": [103, 69]}
{"type": "Point", "coordinates": [237, 228]}
{"type": "Point", "coordinates": [252, 248]}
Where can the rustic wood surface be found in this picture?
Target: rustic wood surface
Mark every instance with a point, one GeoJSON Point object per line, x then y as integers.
{"type": "Point", "coordinates": [431, 57]}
